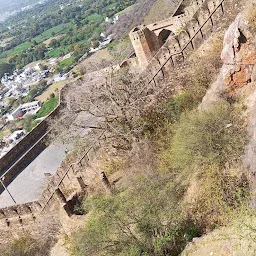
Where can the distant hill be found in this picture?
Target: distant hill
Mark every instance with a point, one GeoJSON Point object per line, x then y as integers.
{"type": "Point", "coordinates": [7, 7]}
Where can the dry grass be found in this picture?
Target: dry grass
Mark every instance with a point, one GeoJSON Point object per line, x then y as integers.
{"type": "Point", "coordinates": [52, 89]}
{"type": "Point", "coordinates": [94, 62]}
{"type": "Point", "coordinates": [160, 10]}
{"type": "Point", "coordinates": [250, 14]}
{"type": "Point", "coordinates": [238, 238]}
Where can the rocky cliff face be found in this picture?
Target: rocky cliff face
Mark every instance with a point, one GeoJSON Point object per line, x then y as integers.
{"type": "Point", "coordinates": [239, 54]}
{"type": "Point", "coordinates": [237, 77]}
{"type": "Point", "coordinates": [239, 61]}
{"type": "Point", "coordinates": [237, 73]}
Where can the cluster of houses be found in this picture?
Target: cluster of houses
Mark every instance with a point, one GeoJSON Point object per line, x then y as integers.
{"type": "Point", "coordinates": [18, 84]}
{"type": "Point", "coordinates": [8, 142]}
{"type": "Point", "coordinates": [30, 108]}
{"type": "Point", "coordinates": [15, 86]}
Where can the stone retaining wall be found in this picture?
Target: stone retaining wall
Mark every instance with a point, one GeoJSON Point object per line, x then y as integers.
{"type": "Point", "coordinates": [29, 147]}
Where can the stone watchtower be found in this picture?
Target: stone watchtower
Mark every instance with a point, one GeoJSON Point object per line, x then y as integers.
{"type": "Point", "coordinates": [145, 44]}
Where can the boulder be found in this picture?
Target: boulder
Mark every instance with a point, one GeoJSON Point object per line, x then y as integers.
{"type": "Point", "coordinates": [239, 53]}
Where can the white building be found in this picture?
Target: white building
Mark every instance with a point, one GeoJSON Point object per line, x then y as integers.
{"type": "Point", "coordinates": [31, 107]}
{"type": "Point", "coordinates": [16, 136]}
{"type": "Point", "coordinates": [115, 19]}
{"type": "Point", "coordinates": [11, 141]}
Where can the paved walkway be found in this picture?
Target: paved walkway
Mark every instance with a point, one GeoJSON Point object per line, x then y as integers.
{"type": "Point", "coordinates": [31, 181]}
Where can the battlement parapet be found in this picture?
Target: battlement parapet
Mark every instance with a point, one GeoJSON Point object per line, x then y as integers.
{"type": "Point", "coordinates": [178, 47]}
{"type": "Point", "coordinates": [147, 40]}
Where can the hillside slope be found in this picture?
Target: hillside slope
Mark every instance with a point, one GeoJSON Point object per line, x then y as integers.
{"type": "Point", "coordinates": [160, 10]}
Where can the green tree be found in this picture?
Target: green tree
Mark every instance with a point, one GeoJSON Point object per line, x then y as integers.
{"type": "Point", "coordinates": [143, 220]}
{"type": "Point", "coordinates": [6, 68]}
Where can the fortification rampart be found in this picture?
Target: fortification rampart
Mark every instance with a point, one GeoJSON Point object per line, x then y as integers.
{"type": "Point", "coordinates": [56, 194]}
{"type": "Point", "coordinates": [147, 40]}
{"type": "Point", "coordinates": [177, 48]}
{"type": "Point", "coordinates": [29, 147]}
{"type": "Point", "coordinates": [170, 56]}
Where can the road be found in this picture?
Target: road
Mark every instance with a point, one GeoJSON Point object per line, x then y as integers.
{"type": "Point", "coordinates": [29, 184]}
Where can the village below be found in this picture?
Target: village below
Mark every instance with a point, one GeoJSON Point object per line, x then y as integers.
{"type": "Point", "coordinates": [30, 93]}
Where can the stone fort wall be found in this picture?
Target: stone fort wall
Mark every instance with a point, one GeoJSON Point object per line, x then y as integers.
{"type": "Point", "coordinates": [29, 147]}
{"type": "Point", "coordinates": [170, 56]}
{"type": "Point", "coordinates": [17, 220]}
{"type": "Point", "coordinates": [147, 40]}
{"type": "Point", "coordinates": [177, 48]}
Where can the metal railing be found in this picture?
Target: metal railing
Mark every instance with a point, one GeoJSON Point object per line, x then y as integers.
{"type": "Point", "coordinates": [166, 43]}
{"type": "Point", "coordinates": [71, 167]}
{"type": "Point", "coordinates": [181, 52]}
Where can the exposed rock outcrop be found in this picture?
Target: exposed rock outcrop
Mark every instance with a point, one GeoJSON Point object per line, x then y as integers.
{"type": "Point", "coordinates": [239, 61]}
{"type": "Point", "coordinates": [238, 70]}
{"type": "Point", "coordinates": [239, 53]}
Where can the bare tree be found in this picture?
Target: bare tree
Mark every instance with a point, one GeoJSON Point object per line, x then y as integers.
{"type": "Point", "coordinates": [113, 105]}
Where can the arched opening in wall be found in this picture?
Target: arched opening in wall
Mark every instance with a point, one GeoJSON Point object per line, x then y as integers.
{"type": "Point", "coordinates": [163, 35]}
{"type": "Point", "coordinates": [124, 64]}
{"type": "Point", "coordinates": [135, 29]}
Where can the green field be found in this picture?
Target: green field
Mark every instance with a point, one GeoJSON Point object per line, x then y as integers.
{"type": "Point", "coordinates": [56, 52]}
{"type": "Point", "coordinates": [63, 28]}
{"type": "Point", "coordinates": [66, 62]}
{"type": "Point", "coordinates": [47, 107]}
{"type": "Point", "coordinates": [95, 18]}
{"type": "Point", "coordinates": [18, 49]}
{"type": "Point", "coordinates": [60, 29]}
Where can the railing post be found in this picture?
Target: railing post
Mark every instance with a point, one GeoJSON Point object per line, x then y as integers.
{"type": "Point", "coordinates": [162, 70]}
{"type": "Point", "coordinates": [221, 5]}
{"type": "Point", "coordinates": [154, 81]}
{"type": "Point", "coordinates": [60, 196]}
{"type": "Point", "coordinates": [191, 41]}
{"type": "Point", "coordinates": [211, 19]}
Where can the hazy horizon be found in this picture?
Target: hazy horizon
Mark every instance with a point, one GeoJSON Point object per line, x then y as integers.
{"type": "Point", "coordinates": [9, 6]}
